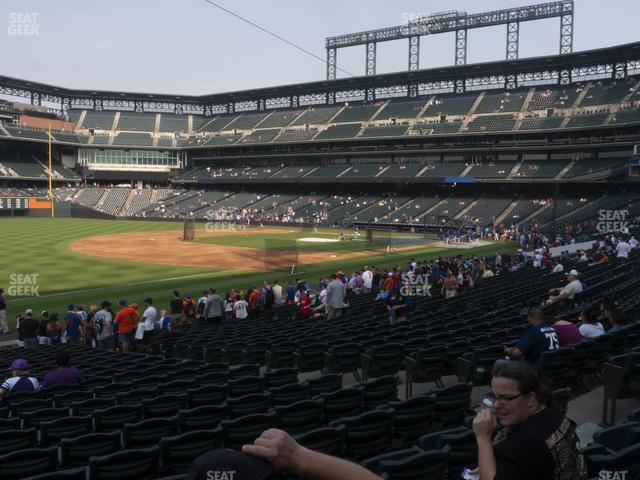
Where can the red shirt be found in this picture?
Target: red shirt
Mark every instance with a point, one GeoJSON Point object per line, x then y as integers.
{"type": "Point", "coordinates": [305, 302]}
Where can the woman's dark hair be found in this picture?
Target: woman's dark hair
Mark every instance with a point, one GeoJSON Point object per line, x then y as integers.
{"type": "Point", "coordinates": [591, 314]}
{"type": "Point", "coordinates": [527, 379]}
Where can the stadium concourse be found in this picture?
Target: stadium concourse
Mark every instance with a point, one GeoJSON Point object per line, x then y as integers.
{"type": "Point", "coordinates": [395, 370]}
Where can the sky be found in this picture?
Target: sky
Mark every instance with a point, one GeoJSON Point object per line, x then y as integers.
{"type": "Point", "coordinates": [190, 47]}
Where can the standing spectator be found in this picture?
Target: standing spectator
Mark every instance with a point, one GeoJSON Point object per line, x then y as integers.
{"type": "Point", "coordinates": [3, 313]}
{"type": "Point", "coordinates": [54, 330]}
{"type": "Point", "coordinates": [335, 298]}
{"type": "Point", "coordinates": [83, 323]}
{"type": "Point", "coordinates": [367, 280]}
{"type": "Point", "coordinates": [591, 327]}
{"type": "Point", "coordinates": [291, 294]}
{"type": "Point", "coordinates": [214, 307]}
{"type": "Point", "coordinates": [622, 250]}
{"type": "Point", "coordinates": [90, 336]}
{"type": "Point", "coordinates": [176, 308]}
{"type": "Point", "coordinates": [72, 325]}
{"type": "Point", "coordinates": [29, 326]}
{"type": "Point", "coordinates": [450, 285]}
{"type": "Point", "coordinates": [103, 327]}
{"type": "Point", "coordinates": [268, 296]}
{"type": "Point", "coordinates": [189, 310]}
{"type": "Point", "coordinates": [305, 304]}
{"type": "Point", "coordinates": [633, 243]}
{"type": "Point", "coordinates": [43, 335]}
{"type": "Point", "coordinates": [202, 304]}
{"type": "Point", "coordinates": [64, 374]}
{"type": "Point", "coordinates": [254, 310]}
{"type": "Point", "coordinates": [149, 319]}
{"type": "Point", "coordinates": [20, 380]}
{"type": "Point", "coordinates": [241, 309]}
{"type": "Point", "coordinates": [358, 283]}
{"type": "Point", "coordinates": [125, 323]}
{"type": "Point", "coordinates": [277, 293]}
{"type": "Point", "coordinates": [228, 307]}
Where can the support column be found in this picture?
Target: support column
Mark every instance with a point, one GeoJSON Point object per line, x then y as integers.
{"type": "Point", "coordinates": [371, 59]}
{"type": "Point", "coordinates": [332, 62]}
{"type": "Point", "coordinates": [513, 34]}
{"type": "Point", "coordinates": [461, 46]}
{"type": "Point", "coordinates": [414, 53]}
{"type": "Point", "coordinates": [566, 33]}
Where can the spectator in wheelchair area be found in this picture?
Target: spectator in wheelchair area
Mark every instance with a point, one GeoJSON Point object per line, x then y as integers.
{"type": "Point", "coordinates": [20, 380]}
{"type": "Point", "coordinates": [64, 374]}
{"type": "Point", "coordinates": [534, 440]}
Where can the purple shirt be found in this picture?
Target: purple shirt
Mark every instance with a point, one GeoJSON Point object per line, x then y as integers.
{"type": "Point", "coordinates": [567, 334]}
{"type": "Point", "coordinates": [62, 376]}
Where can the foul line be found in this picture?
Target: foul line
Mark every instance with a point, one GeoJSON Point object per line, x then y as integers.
{"type": "Point", "coordinates": [71, 292]}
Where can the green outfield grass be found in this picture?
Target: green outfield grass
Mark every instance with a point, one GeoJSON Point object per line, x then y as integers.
{"type": "Point", "coordinates": [39, 247]}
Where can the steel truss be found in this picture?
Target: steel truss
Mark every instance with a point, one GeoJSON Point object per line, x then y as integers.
{"type": "Point", "coordinates": [458, 22]}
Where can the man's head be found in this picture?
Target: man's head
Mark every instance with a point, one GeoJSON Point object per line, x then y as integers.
{"type": "Point", "coordinates": [63, 359]}
{"type": "Point", "coordinates": [148, 301]}
{"type": "Point", "coordinates": [516, 394]}
{"type": "Point", "coordinates": [572, 275]}
{"type": "Point", "coordinates": [122, 302]}
{"type": "Point", "coordinates": [176, 294]}
{"type": "Point", "coordinates": [19, 367]}
{"type": "Point", "coordinates": [106, 304]}
{"type": "Point", "coordinates": [28, 313]}
{"type": "Point", "coordinates": [616, 317]}
{"type": "Point", "coordinates": [535, 316]}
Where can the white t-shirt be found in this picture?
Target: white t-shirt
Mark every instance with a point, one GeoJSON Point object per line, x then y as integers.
{"type": "Point", "coordinates": [623, 249]}
{"type": "Point", "coordinates": [277, 294]}
{"type": "Point", "coordinates": [572, 288]}
{"type": "Point", "coordinates": [150, 315]}
{"type": "Point", "coordinates": [240, 308]}
{"type": "Point", "coordinates": [633, 243]}
{"type": "Point", "coordinates": [367, 277]}
{"type": "Point", "coordinates": [589, 330]}
{"type": "Point", "coordinates": [9, 383]}
{"type": "Point", "coordinates": [558, 268]}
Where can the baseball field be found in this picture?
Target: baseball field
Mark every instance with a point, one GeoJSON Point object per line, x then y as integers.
{"type": "Point", "coordinates": [47, 264]}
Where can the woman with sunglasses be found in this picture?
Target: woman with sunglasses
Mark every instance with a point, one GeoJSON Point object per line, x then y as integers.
{"type": "Point", "coordinates": [534, 441]}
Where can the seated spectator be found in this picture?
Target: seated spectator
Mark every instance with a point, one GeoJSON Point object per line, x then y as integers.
{"type": "Point", "coordinates": [536, 440]}
{"type": "Point", "coordinates": [29, 326]}
{"type": "Point", "coordinates": [538, 338]}
{"type": "Point", "coordinates": [286, 455]}
{"type": "Point", "coordinates": [569, 291]}
{"type": "Point", "coordinates": [64, 374]}
{"type": "Point", "coordinates": [616, 318]}
{"type": "Point", "coordinates": [397, 307]}
{"type": "Point", "coordinates": [20, 381]}
{"type": "Point", "coordinates": [567, 332]}
{"type": "Point", "coordinates": [591, 327]}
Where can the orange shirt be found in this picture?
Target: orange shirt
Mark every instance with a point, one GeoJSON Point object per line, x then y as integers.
{"type": "Point", "coordinates": [388, 284]}
{"type": "Point", "coordinates": [126, 319]}
{"type": "Point", "coordinates": [253, 300]}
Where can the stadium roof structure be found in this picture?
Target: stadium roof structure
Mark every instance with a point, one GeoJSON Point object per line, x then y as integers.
{"type": "Point", "coordinates": [610, 62]}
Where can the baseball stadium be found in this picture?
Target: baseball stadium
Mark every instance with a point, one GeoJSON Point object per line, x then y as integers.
{"type": "Point", "coordinates": [428, 273]}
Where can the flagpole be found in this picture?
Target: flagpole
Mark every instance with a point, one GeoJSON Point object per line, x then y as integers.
{"type": "Point", "coordinates": [53, 216]}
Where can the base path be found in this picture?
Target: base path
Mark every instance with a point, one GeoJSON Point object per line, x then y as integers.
{"type": "Point", "coordinates": [167, 248]}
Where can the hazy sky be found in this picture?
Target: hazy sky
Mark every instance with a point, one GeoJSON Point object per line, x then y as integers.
{"type": "Point", "coordinates": [191, 47]}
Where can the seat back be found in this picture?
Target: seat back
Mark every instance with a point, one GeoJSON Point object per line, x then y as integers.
{"type": "Point", "coordinates": [67, 427]}
{"type": "Point", "coordinates": [178, 453]}
{"type": "Point", "coordinates": [413, 417]}
{"type": "Point", "coordinates": [28, 462]}
{"type": "Point", "coordinates": [343, 403]}
{"type": "Point", "coordinates": [76, 451]}
{"type": "Point", "coordinates": [148, 432]}
{"type": "Point", "coordinates": [13, 440]}
{"type": "Point", "coordinates": [163, 405]}
{"type": "Point", "coordinates": [245, 430]}
{"type": "Point", "coordinates": [133, 464]}
{"type": "Point", "coordinates": [410, 464]}
{"type": "Point", "coordinates": [204, 417]}
{"type": "Point", "coordinates": [248, 404]}
{"type": "Point", "coordinates": [325, 384]}
{"type": "Point", "coordinates": [290, 393]}
{"type": "Point", "coordinates": [300, 417]}
{"type": "Point", "coordinates": [380, 391]}
{"type": "Point", "coordinates": [367, 434]}
{"type": "Point", "coordinates": [328, 440]}
{"type": "Point", "coordinates": [114, 418]}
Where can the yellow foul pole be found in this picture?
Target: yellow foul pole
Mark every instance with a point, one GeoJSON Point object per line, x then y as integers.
{"type": "Point", "coordinates": [53, 216]}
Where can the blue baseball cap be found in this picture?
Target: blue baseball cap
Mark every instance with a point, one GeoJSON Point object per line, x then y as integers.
{"type": "Point", "coordinates": [122, 302]}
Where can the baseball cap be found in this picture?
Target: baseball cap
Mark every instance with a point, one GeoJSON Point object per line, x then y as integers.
{"type": "Point", "coordinates": [245, 467]}
{"type": "Point", "coordinates": [28, 311]}
{"type": "Point", "coordinates": [122, 302]}
{"type": "Point", "coordinates": [573, 272]}
{"type": "Point", "coordinates": [105, 304]}
{"type": "Point", "coordinates": [19, 364]}
{"type": "Point", "coordinates": [71, 306]}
